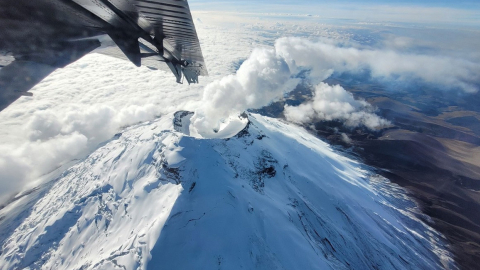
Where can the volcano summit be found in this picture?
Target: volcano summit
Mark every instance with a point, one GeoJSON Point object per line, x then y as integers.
{"type": "Point", "coordinates": [271, 197]}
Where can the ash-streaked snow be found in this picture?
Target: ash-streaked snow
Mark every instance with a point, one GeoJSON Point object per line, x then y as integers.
{"type": "Point", "coordinates": [271, 197]}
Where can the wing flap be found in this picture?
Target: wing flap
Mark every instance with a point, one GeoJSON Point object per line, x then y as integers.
{"type": "Point", "coordinates": [172, 35]}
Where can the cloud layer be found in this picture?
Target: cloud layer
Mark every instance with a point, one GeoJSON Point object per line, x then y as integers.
{"type": "Point", "coordinates": [325, 58]}
{"type": "Point", "coordinates": [53, 139]}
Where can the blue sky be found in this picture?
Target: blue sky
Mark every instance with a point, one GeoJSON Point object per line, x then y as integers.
{"type": "Point", "coordinates": [442, 12]}
{"type": "Point", "coordinates": [430, 3]}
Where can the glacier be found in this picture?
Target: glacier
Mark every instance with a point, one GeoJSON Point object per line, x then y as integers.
{"type": "Point", "coordinates": [273, 196]}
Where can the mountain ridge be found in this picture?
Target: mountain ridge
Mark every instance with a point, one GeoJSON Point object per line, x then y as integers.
{"type": "Point", "coordinates": [271, 197]}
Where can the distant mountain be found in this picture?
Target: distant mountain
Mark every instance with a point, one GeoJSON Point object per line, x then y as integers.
{"type": "Point", "coordinates": [271, 197]}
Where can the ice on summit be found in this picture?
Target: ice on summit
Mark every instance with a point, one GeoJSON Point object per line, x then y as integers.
{"type": "Point", "coordinates": [270, 197]}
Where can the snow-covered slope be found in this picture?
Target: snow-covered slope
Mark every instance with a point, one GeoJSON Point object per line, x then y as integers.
{"type": "Point", "coordinates": [271, 197]}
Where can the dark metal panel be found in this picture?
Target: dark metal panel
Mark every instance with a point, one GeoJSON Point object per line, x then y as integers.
{"type": "Point", "coordinates": [38, 34]}
{"type": "Point", "coordinates": [166, 8]}
{"type": "Point", "coordinates": [131, 12]}
{"type": "Point", "coordinates": [103, 11]}
{"type": "Point", "coordinates": [173, 19]}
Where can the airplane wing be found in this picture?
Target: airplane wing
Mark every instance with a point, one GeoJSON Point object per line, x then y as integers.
{"type": "Point", "coordinates": [37, 37]}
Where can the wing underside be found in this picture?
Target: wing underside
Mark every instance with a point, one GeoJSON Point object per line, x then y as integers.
{"type": "Point", "coordinates": [39, 36]}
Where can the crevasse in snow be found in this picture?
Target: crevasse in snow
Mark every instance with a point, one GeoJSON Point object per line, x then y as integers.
{"type": "Point", "coordinates": [271, 197]}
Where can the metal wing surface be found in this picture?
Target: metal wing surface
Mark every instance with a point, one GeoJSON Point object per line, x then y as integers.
{"type": "Point", "coordinates": [171, 22]}
{"type": "Point", "coordinates": [37, 37]}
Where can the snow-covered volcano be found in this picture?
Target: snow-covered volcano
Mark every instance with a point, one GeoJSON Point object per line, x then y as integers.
{"type": "Point", "coordinates": [271, 197]}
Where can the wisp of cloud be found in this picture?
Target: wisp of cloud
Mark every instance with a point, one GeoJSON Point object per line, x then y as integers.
{"type": "Point", "coordinates": [325, 58]}
{"type": "Point", "coordinates": [335, 103]}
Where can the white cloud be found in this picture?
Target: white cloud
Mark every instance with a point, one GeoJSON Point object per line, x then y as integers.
{"type": "Point", "coordinates": [344, 137]}
{"type": "Point", "coordinates": [263, 77]}
{"type": "Point", "coordinates": [13, 172]}
{"type": "Point", "coordinates": [53, 138]}
{"type": "Point", "coordinates": [324, 58]}
{"type": "Point", "coordinates": [335, 103]}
